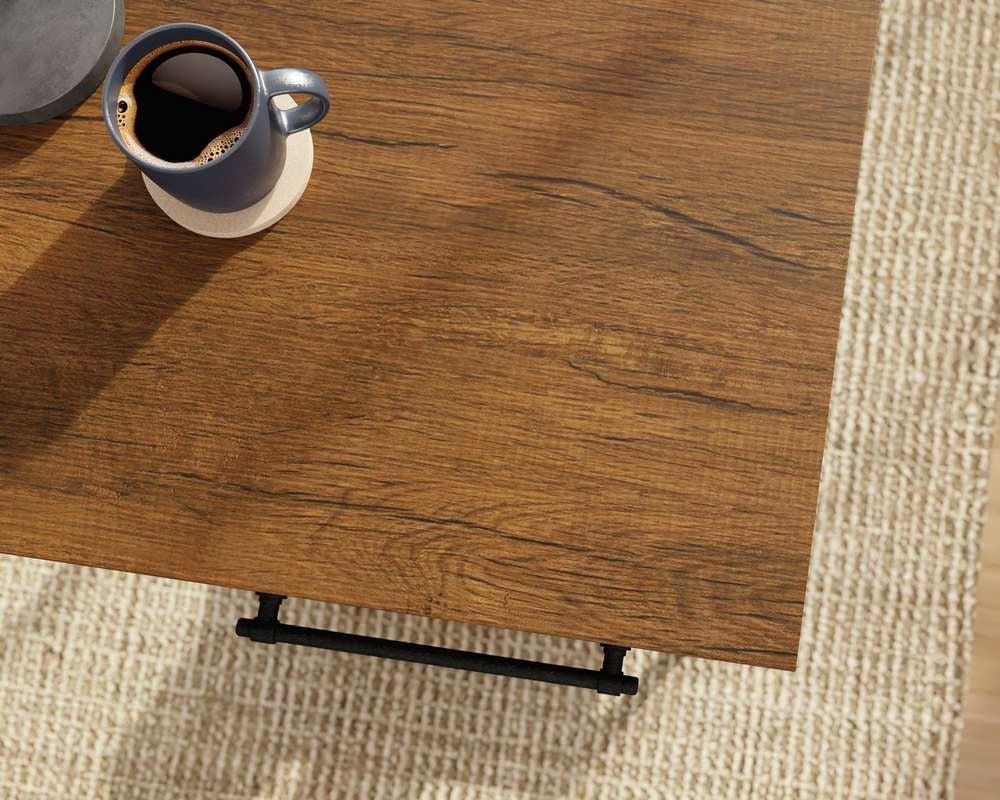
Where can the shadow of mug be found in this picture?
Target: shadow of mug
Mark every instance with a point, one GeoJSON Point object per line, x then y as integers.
{"type": "Point", "coordinates": [87, 304]}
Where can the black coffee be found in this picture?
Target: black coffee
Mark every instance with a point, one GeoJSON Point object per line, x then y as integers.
{"type": "Point", "coordinates": [185, 98]}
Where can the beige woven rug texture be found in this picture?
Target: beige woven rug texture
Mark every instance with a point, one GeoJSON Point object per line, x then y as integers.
{"type": "Point", "coordinates": [118, 686]}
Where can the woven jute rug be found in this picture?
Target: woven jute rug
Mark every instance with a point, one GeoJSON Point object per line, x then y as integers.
{"type": "Point", "coordinates": [118, 686]}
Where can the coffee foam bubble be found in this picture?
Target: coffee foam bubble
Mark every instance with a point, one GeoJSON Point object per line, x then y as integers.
{"type": "Point", "coordinates": [220, 145]}
{"type": "Point", "coordinates": [126, 110]}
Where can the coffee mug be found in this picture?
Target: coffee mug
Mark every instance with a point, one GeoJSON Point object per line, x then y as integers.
{"type": "Point", "coordinates": [185, 103]}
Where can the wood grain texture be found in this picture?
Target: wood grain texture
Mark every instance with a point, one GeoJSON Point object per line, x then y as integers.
{"type": "Point", "coordinates": [547, 344]}
{"type": "Point", "coordinates": [978, 765]}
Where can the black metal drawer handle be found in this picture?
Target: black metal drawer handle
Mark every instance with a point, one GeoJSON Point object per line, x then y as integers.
{"type": "Point", "coordinates": [609, 679]}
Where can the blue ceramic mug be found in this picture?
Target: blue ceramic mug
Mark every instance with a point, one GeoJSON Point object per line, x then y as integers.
{"type": "Point", "coordinates": [241, 167]}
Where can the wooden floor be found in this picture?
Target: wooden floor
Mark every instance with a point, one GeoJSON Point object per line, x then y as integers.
{"type": "Point", "coordinates": [979, 762]}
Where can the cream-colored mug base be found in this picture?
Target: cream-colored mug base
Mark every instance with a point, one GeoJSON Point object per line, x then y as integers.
{"type": "Point", "coordinates": [262, 214]}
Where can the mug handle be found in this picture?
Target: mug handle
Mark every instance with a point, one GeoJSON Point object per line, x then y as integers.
{"type": "Point", "coordinates": [291, 79]}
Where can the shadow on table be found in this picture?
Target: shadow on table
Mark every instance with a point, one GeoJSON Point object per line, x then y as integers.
{"type": "Point", "coordinates": [87, 304]}
{"type": "Point", "coordinates": [20, 141]}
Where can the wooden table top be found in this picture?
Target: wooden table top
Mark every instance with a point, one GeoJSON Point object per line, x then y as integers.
{"type": "Point", "coordinates": [546, 345]}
